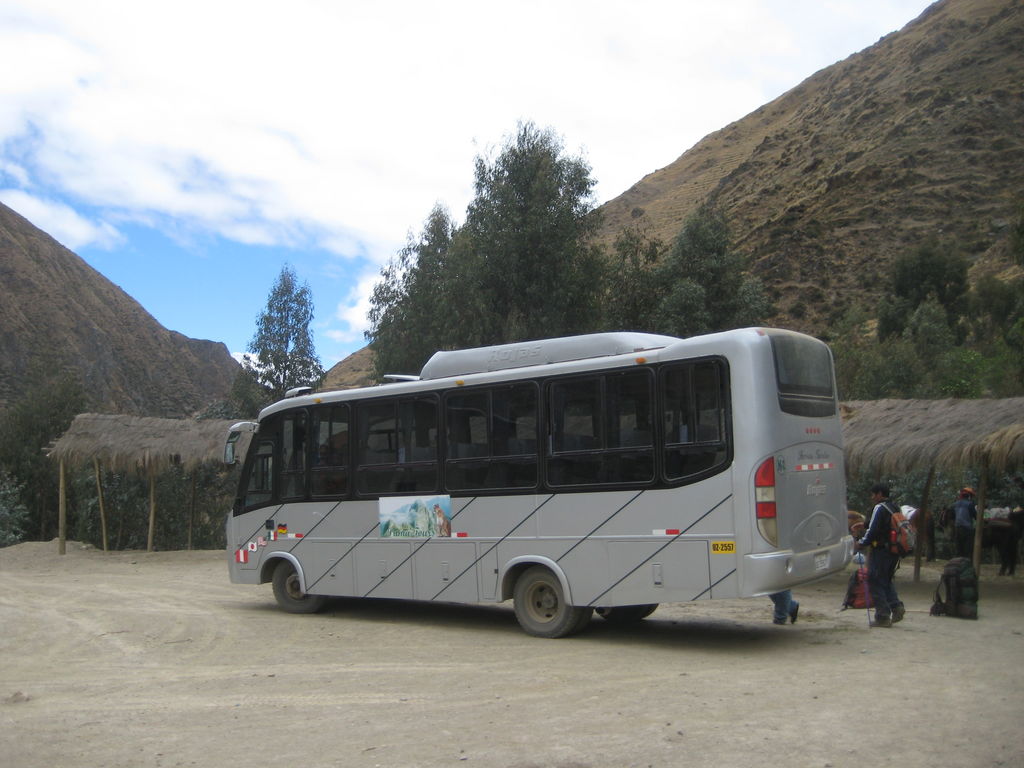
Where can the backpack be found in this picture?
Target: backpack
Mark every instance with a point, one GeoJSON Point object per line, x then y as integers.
{"type": "Point", "coordinates": [902, 536]}
{"type": "Point", "coordinates": [857, 594]}
{"type": "Point", "coordinates": [961, 587]}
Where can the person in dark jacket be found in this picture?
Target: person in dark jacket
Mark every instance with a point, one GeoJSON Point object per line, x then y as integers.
{"type": "Point", "coordinates": [965, 513]}
{"type": "Point", "coordinates": [881, 562]}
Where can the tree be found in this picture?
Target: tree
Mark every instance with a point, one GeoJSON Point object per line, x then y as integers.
{"type": "Point", "coordinates": [411, 306]}
{"type": "Point", "coordinates": [13, 513]}
{"type": "Point", "coordinates": [522, 266]}
{"type": "Point", "coordinates": [1017, 235]}
{"type": "Point", "coordinates": [283, 347]}
{"type": "Point", "coordinates": [931, 270]}
{"type": "Point", "coordinates": [629, 304]}
{"type": "Point", "coordinates": [529, 228]}
{"type": "Point", "coordinates": [704, 282]}
{"type": "Point", "coordinates": [28, 427]}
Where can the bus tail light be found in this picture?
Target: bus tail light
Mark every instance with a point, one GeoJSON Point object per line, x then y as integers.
{"type": "Point", "coordinates": [764, 501]}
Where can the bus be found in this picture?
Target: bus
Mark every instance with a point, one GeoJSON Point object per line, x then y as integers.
{"type": "Point", "coordinates": [606, 473]}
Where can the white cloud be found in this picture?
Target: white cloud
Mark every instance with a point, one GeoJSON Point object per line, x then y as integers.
{"type": "Point", "coordinates": [339, 125]}
{"type": "Point", "coordinates": [61, 222]}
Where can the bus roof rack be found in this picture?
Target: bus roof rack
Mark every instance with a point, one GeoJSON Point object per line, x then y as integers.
{"type": "Point", "coordinates": [521, 354]}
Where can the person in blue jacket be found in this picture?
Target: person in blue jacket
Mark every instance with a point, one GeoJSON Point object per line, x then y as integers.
{"type": "Point", "coordinates": [881, 562]}
{"type": "Point", "coordinates": [964, 515]}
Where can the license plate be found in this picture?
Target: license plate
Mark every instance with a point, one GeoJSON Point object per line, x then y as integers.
{"type": "Point", "coordinates": [821, 561]}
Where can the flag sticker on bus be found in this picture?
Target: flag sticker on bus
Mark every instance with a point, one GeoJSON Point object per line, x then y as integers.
{"type": "Point", "coordinates": [723, 547]}
{"type": "Point", "coordinates": [815, 467]}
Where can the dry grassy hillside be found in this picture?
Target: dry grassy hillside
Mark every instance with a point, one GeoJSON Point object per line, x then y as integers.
{"type": "Point", "coordinates": [58, 314]}
{"type": "Point", "coordinates": [918, 135]}
{"type": "Point", "coordinates": [356, 370]}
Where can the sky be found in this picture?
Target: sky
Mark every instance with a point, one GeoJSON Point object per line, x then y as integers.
{"type": "Point", "coordinates": [188, 150]}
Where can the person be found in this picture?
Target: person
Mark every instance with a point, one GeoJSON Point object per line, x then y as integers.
{"type": "Point", "coordinates": [786, 608]}
{"type": "Point", "coordinates": [964, 515]}
{"type": "Point", "coordinates": [881, 562]}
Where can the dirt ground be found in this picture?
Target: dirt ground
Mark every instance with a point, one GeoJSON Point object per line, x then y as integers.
{"type": "Point", "coordinates": [136, 659]}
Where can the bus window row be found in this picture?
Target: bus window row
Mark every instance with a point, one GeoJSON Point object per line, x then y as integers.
{"type": "Point", "coordinates": [637, 427]}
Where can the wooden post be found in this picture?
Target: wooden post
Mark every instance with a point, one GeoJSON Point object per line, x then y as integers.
{"type": "Point", "coordinates": [979, 524]}
{"type": "Point", "coordinates": [192, 508]}
{"type": "Point", "coordinates": [921, 520]}
{"type": "Point", "coordinates": [152, 510]}
{"type": "Point", "coordinates": [62, 513]}
{"type": "Point", "coordinates": [99, 495]}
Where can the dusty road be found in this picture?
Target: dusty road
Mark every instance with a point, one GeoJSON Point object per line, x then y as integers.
{"type": "Point", "coordinates": [135, 659]}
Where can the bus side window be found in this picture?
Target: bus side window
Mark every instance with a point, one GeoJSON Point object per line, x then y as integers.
{"type": "Point", "coordinates": [259, 488]}
{"type": "Point", "coordinates": [694, 420]}
{"type": "Point", "coordinates": [466, 425]}
{"type": "Point", "coordinates": [629, 407]}
{"type": "Point", "coordinates": [378, 441]}
{"type": "Point", "coordinates": [397, 446]}
{"type": "Point", "coordinates": [630, 400]}
{"type": "Point", "coordinates": [575, 418]}
{"type": "Point", "coordinates": [293, 455]}
{"type": "Point", "coordinates": [329, 471]}
{"type": "Point", "coordinates": [492, 439]}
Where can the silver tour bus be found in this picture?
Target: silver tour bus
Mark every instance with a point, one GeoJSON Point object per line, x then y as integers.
{"type": "Point", "coordinates": [608, 472]}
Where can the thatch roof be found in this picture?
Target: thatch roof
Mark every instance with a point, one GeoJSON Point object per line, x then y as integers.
{"type": "Point", "coordinates": [892, 436]}
{"type": "Point", "coordinates": [128, 443]}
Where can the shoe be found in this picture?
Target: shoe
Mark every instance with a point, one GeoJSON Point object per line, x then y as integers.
{"type": "Point", "coordinates": [898, 613]}
{"type": "Point", "coordinates": [883, 621]}
{"type": "Point", "coordinates": [793, 614]}
{"type": "Point", "coordinates": [778, 621]}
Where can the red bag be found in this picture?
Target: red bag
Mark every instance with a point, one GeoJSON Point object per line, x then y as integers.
{"type": "Point", "coordinates": [857, 595]}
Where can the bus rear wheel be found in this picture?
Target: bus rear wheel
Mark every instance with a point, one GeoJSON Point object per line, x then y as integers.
{"type": "Point", "coordinates": [288, 591]}
{"type": "Point", "coordinates": [626, 614]}
{"type": "Point", "coordinates": [541, 608]}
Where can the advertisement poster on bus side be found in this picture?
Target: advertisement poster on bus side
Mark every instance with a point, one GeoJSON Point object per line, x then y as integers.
{"type": "Point", "coordinates": [416, 516]}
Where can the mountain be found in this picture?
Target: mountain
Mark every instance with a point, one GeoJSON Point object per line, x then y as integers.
{"type": "Point", "coordinates": [58, 314]}
{"type": "Point", "coordinates": [921, 134]}
{"type": "Point", "coordinates": [356, 370]}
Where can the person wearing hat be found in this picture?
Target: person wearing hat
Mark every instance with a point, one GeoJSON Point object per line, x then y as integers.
{"type": "Point", "coordinates": [964, 515]}
{"type": "Point", "coordinates": [881, 562]}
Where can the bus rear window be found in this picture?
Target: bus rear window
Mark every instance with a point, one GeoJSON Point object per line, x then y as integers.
{"type": "Point", "coordinates": [803, 372]}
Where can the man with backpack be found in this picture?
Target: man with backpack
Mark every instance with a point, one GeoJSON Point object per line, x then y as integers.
{"type": "Point", "coordinates": [881, 561]}
{"type": "Point", "coordinates": [965, 513]}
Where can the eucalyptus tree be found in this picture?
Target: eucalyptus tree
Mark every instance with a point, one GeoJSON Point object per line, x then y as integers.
{"type": "Point", "coordinates": [282, 349]}
{"type": "Point", "coordinates": [534, 268]}
{"type": "Point", "coordinates": [704, 283]}
{"type": "Point", "coordinates": [412, 305]}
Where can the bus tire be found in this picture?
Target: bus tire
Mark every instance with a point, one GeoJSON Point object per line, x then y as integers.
{"type": "Point", "coordinates": [540, 605]}
{"type": "Point", "coordinates": [288, 591]}
{"type": "Point", "coordinates": [626, 614]}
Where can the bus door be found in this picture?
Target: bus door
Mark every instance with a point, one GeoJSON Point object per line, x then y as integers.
{"type": "Point", "coordinates": [258, 490]}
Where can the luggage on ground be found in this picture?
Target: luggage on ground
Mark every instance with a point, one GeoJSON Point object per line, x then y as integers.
{"type": "Point", "coordinates": [960, 584]}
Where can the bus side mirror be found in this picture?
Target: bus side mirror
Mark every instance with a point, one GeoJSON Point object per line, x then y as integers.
{"type": "Point", "coordinates": [234, 434]}
{"type": "Point", "coordinates": [229, 448]}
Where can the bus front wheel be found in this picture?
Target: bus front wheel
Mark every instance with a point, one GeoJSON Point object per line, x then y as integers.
{"type": "Point", "coordinates": [541, 608]}
{"type": "Point", "coordinates": [288, 591]}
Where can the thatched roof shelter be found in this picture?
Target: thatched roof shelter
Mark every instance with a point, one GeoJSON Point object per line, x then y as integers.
{"type": "Point", "coordinates": [128, 443]}
{"type": "Point", "coordinates": [894, 436]}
